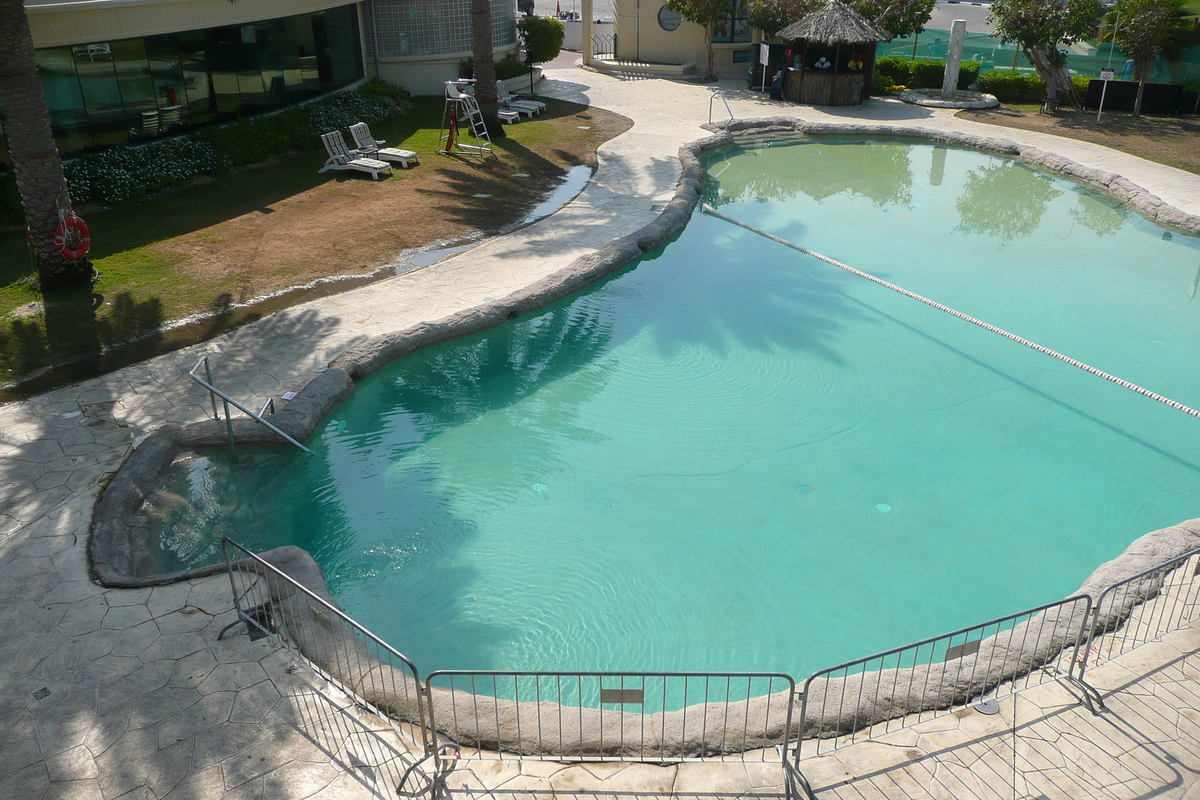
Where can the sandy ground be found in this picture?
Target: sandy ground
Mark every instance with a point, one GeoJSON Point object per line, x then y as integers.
{"type": "Point", "coordinates": [1167, 140]}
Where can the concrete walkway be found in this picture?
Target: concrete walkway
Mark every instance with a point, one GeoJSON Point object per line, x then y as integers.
{"type": "Point", "coordinates": [127, 693]}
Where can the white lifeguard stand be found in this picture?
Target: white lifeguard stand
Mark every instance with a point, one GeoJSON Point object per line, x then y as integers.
{"type": "Point", "coordinates": [461, 114]}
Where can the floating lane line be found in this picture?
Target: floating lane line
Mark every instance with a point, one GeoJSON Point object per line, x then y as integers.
{"type": "Point", "coordinates": [707, 209]}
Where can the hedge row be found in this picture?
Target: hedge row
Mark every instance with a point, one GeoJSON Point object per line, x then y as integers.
{"type": "Point", "coordinates": [922, 73]}
{"type": "Point", "coordinates": [1011, 86]}
{"type": "Point", "coordinates": [130, 172]}
{"type": "Point", "coordinates": [508, 67]}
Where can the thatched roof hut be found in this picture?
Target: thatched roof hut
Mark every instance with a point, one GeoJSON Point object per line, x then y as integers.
{"type": "Point", "coordinates": [837, 46]}
{"type": "Point", "coordinates": [835, 23]}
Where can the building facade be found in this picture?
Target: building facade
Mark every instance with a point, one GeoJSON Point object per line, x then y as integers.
{"type": "Point", "coordinates": [122, 71]}
{"type": "Point", "coordinates": [648, 31]}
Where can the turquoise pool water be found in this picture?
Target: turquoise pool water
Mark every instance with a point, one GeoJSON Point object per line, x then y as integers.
{"type": "Point", "coordinates": [735, 457]}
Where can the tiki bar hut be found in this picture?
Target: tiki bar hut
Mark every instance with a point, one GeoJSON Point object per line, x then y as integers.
{"type": "Point", "coordinates": [834, 56]}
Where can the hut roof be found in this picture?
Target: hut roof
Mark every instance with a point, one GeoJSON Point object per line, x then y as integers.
{"type": "Point", "coordinates": [835, 23]}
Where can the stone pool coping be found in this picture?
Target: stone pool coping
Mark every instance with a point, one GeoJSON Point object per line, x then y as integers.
{"type": "Point", "coordinates": [120, 536]}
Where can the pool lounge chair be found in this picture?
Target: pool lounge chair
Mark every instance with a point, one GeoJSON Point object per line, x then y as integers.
{"type": "Point", "coordinates": [456, 90]}
{"type": "Point", "coordinates": [524, 106]}
{"type": "Point", "coordinates": [502, 92]}
{"type": "Point", "coordinates": [340, 157]}
{"type": "Point", "coordinates": [367, 145]}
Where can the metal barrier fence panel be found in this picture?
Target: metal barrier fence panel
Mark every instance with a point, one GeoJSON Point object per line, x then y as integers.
{"type": "Point", "coordinates": [1143, 609]}
{"type": "Point", "coordinates": [611, 716]}
{"type": "Point", "coordinates": [911, 684]}
{"type": "Point", "coordinates": [271, 603]}
{"type": "Point", "coordinates": [604, 44]}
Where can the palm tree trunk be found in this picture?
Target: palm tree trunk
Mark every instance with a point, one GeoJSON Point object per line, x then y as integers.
{"type": "Point", "coordinates": [36, 164]}
{"type": "Point", "coordinates": [485, 65]}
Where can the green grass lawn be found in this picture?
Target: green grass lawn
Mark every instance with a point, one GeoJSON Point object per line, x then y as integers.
{"type": "Point", "coordinates": [145, 282]}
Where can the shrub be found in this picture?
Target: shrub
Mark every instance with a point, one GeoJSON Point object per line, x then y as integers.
{"type": "Point", "coordinates": [343, 109]}
{"type": "Point", "coordinates": [927, 74]}
{"type": "Point", "coordinates": [1011, 86]}
{"type": "Point", "coordinates": [508, 67]}
{"type": "Point", "coordinates": [384, 89]}
{"type": "Point", "coordinates": [542, 37]}
{"type": "Point", "coordinates": [881, 84]}
{"type": "Point", "coordinates": [128, 173]}
{"type": "Point", "coordinates": [924, 73]}
{"type": "Point", "coordinates": [968, 73]}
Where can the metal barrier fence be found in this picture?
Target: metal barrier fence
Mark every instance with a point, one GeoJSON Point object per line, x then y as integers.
{"type": "Point", "coordinates": [604, 44]}
{"type": "Point", "coordinates": [271, 603]}
{"type": "Point", "coordinates": [615, 716]}
{"type": "Point", "coordinates": [934, 677]}
{"type": "Point", "coordinates": [1143, 608]}
{"type": "Point", "coordinates": [681, 716]}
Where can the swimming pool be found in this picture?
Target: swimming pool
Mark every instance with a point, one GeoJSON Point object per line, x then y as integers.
{"type": "Point", "coordinates": [735, 457]}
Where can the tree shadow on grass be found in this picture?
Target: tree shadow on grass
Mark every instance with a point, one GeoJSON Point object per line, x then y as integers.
{"type": "Point", "coordinates": [70, 328]}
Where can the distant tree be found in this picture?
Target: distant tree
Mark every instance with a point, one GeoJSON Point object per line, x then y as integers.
{"type": "Point", "coordinates": [897, 17]}
{"type": "Point", "coordinates": [482, 54]}
{"type": "Point", "coordinates": [1039, 27]}
{"type": "Point", "coordinates": [772, 16]}
{"type": "Point", "coordinates": [1147, 28]}
{"type": "Point", "coordinates": [705, 13]}
{"type": "Point", "coordinates": [36, 164]}
{"type": "Point", "coordinates": [542, 38]}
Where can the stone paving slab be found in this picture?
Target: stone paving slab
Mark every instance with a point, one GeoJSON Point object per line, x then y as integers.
{"type": "Point", "coordinates": [127, 693]}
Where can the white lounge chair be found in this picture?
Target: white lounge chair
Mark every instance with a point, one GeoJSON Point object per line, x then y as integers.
{"type": "Point", "coordinates": [367, 145]}
{"type": "Point", "coordinates": [459, 91]}
{"type": "Point", "coordinates": [507, 99]}
{"type": "Point", "coordinates": [340, 157]}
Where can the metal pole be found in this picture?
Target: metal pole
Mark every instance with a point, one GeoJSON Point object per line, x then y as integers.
{"type": "Point", "coordinates": [211, 396]}
{"type": "Point", "coordinates": [1103, 92]}
{"type": "Point", "coordinates": [229, 428]}
{"type": "Point", "coordinates": [1116, 27]}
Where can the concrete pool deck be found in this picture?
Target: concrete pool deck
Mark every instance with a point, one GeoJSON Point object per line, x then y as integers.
{"type": "Point", "coordinates": [115, 693]}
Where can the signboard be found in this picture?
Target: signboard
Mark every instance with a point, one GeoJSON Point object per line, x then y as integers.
{"type": "Point", "coordinates": [764, 54]}
{"type": "Point", "coordinates": [1107, 74]}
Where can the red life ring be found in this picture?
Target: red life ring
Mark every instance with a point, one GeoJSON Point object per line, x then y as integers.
{"type": "Point", "coordinates": [72, 239]}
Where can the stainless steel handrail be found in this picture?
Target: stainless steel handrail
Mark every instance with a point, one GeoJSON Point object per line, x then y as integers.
{"type": "Point", "coordinates": [214, 393]}
{"type": "Point", "coordinates": [712, 99]}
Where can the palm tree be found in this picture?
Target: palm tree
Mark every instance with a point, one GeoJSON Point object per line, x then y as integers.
{"type": "Point", "coordinates": [35, 160]}
{"type": "Point", "coordinates": [1143, 29]}
{"type": "Point", "coordinates": [485, 65]}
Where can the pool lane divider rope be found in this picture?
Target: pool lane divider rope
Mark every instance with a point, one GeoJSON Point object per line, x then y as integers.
{"type": "Point", "coordinates": [986, 326]}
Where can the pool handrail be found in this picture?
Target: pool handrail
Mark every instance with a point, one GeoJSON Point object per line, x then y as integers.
{"type": "Point", "coordinates": [226, 400]}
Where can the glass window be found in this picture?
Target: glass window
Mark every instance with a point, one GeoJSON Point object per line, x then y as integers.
{"type": "Point", "coordinates": [734, 29]}
{"type": "Point", "coordinates": [104, 93]}
{"type": "Point", "coordinates": [288, 49]}
{"type": "Point", "coordinates": [68, 117]}
{"type": "Point", "coordinates": [345, 52]}
{"type": "Point", "coordinates": [668, 19]}
{"type": "Point", "coordinates": [137, 87]}
{"type": "Point", "coordinates": [199, 98]}
{"type": "Point", "coordinates": [223, 54]}
{"type": "Point", "coordinates": [270, 64]}
{"type": "Point", "coordinates": [167, 73]}
{"type": "Point", "coordinates": [101, 93]}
